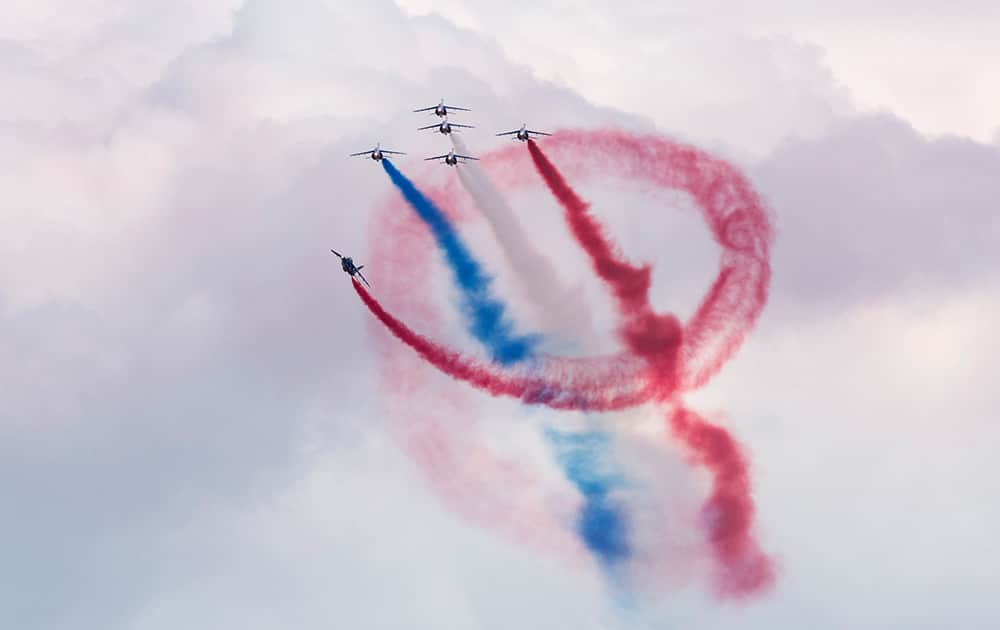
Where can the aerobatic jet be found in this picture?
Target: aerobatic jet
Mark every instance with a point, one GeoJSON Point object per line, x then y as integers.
{"type": "Point", "coordinates": [445, 127]}
{"type": "Point", "coordinates": [451, 158]}
{"type": "Point", "coordinates": [441, 110]}
{"type": "Point", "coordinates": [348, 266]}
{"type": "Point", "coordinates": [377, 153]}
{"type": "Point", "coordinates": [524, 133]}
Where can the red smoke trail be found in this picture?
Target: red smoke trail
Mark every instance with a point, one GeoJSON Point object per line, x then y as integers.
{"type": "Point", "coordinates": [739, 224]}
{"type": "Point", "coordinates": [732, 210]}
{"type": "Point", "coordinates": [729, 510]}
{"type": "Point", "coordinates": [744, 568]}
{"type": "Point", "coordinates": [437, 424]}
{"type": "Point", "coordinates": [596, 396]}
{"type": "Point", "coordinates": [655, 338]}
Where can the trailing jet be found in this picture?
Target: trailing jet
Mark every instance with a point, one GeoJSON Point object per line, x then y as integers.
{"type": "Point", "coordinates": [441, 110]}
{"type": "Point", "coordinates": [377, 153]}
{"type": "Point", "coordinates": [445, 127]}
{"type": "Point", "coordinates": [524, 133]}
{"type": "Point", "coordinates": [451, 158]}
{"type": "Point", "coordinates": [348, 266]}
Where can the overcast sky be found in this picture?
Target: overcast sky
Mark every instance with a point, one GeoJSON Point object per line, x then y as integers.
{"type": "Point", "coordinates": [192, 428]}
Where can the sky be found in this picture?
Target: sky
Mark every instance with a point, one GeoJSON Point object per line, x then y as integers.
{"type": "Point", "coordinates": [192, 427]}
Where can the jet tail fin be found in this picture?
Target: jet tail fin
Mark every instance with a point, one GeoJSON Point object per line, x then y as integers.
{"type": "Point", "coordinates": [363, 279]}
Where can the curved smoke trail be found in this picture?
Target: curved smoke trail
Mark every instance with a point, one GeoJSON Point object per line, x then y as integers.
{"type": "Point", "coordinates": [437, 424]}
{"type": "Point", "coordinates": [731, 209]}
{"type": "Point", "coordinates": [585, 394]}
{"type": "Point", "coordinates": [600, 521]}
{"type": "Point", "coordinates": [744, 567]}
{"type": "Point", "coordinates": [708, 339]}
{"type": "Point", "coordinates": [438, 427]}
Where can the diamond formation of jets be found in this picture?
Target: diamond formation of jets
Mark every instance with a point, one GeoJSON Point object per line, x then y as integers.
{"type": "Point", "coordinates": [523, 133]}
{"type": "Point", "coordinates": [350, 269]}
{"type": "Point", "coordinates": [445, 127]}
{"type": "Point", "coordinates": [451, 158]}
{"type": "Point", "coordinates": [441, 110]}
{"type": "Point", "coordinates": [377, 153]}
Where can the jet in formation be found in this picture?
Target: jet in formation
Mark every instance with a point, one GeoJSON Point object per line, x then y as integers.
{"type": "Point", "coordinates": [523, 133]}
{"type": "Point", "coordinates": [377, 153]}
{"type": "Point", "coordinates": [445, 127]}
{"type": "Point", "coordinates": [441, 110]}
{"type": "Point", "coordinates": [349, 267]}
{"type": "Point", "coordinates": [451, 158]}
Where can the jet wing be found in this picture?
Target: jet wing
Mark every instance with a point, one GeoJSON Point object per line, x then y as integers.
{"type": "Point", "coordinates": [434, 126]}
{"type": "Point", "coordinates": [457, 109]}
{"type": "Point", "coordinates": [538, 133]}
{"type": "Point", "coordinates": [426, 109]}
{"type": "Point", "coordinates": [368, 152]}
{"type": "Point", "coordinates": [436, 157]}
{"type": "Point", "coordinates": [363, 279]}
{"type": "Point", "coordinates": [508, 133]}
{"type": "Point", "coordinates": [465, 157]}
{"type": "Point", "coordinates": [335, 252]}
{"type": "Point", "coordinates": [463, 126]}
{"type": "Point", "coordinates": [393, 152]}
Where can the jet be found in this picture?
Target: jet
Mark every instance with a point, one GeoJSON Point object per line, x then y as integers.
{"type": "Point", "coordinates": [348, 266]}
{"type": "Point", "coordinates": [377, 153]}
{"type": "Point", "coordinates": [451, 158]}
{"type": "Point", "coordinates": [524, 133]}
{"type": "Point", "coordinates": [445, 127]}
{"type": "Point", "coordinates": [441, 110]}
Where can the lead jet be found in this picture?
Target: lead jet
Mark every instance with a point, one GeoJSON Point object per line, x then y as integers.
{"type": "Point", "coordinates": [377, 153]}
{"type": "Point", "coordinates": [451, 158]}
{"type": "Point", "coordinates": [524, 133]}
{"type": "Point", "coordinates": [445, 127]}
{"type": "Point", "coordinates": [441, 110]}
{"type": "Point", "coordinates": [348, 266]}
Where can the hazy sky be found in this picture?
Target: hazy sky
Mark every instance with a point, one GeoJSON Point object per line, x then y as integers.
{"type": "Point", "coordinates": [192, 432]}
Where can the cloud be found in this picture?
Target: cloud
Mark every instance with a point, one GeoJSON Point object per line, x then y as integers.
{"type": "Point", "coordinates": [870, 430]}
{"type": "Point", "coordinates": [697, 77]}
{"type": "Point", "coordinates": [777, 66]}
{"type": "Point", "coordinates": [189, 430]}
{"type": "Point", "coordinates": [873, 207]}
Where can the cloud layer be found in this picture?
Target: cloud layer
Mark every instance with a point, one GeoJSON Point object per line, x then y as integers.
{"type": "Point", "coordinates": [190, 433]}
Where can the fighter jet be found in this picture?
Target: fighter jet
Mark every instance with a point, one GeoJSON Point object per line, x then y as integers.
{"type": "Point", "coordinates": [445, 127]}
{"type": "Point", "coordinates": [348, 266]}
{"type": "Point", "coordinates": [377, 153]}
{"type": "Point", "coordinates": [524, 133]}
{"type": "Point", "coordinates": [451, 158]}
{"type": "Point", "coordinates": [441, 110]}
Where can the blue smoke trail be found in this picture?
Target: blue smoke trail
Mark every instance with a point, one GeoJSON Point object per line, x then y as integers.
{"type": "Point", "coordinates": [485, 314]}
{"type": "Point", "coordinates": [601, 523]}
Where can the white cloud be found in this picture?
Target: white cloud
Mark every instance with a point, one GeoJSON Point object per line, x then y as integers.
{"type": "Point", "coordinates": [873, 206]}
{"type": "Point", "coordinates": [926, 61]}
{"type": "Point", "coordinates": [189, 430]}
{"type": "Point", "coordinates": [871, 433]}
{"type": "Point", "coordinates": [712, 82]}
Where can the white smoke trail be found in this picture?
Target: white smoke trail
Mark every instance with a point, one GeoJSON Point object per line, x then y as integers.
{"type": "Point", "coordinates": [560, 309]}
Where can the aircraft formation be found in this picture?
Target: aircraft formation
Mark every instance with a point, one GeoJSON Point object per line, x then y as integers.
{"type": "Point", "coordinates": [444, 127]}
